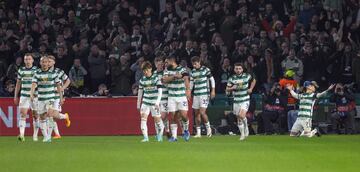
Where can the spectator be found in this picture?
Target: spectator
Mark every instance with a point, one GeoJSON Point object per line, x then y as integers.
{"type": "Point", "coordinates": [77, 75]}
{"type": "Point", "coordinates": [12, 70]}
{"type": "Point", "coordinates": [187, 52]}
{"type": "Point", "coordinates": [345, 109]}
{"type": "Point", "coordinates": [224, 30]}
{"type": "Point", "coordinates": [97, 66]}
{"type": "Point", "coordinates": [294, 64]}
{"type": "Point", "coordinates": [63, 60]}
{"type": "Point", "coordinates": [306, 14]}
{"type": "Point", "coordinates": [223, 75]}
{"type": "Point", "coordinates": [356, 70]}
{"type": "Point", "coordinates": [292, 111]}
{"type": "Point", "coordinates": [120, 85]}
{"type": "Point", "coordinates": [274, 110]}
{"type": "Point", "coordinates": [102, 91]}
{"type": "Point", "coordinates": [136, 67]}
{"type": "Point", "coordinates": [8, 90]}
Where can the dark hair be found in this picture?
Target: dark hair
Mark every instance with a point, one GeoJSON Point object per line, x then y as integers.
{"type": "Point", "coordinates": [239, 64]}
{"type": "Point", "coordinates": [29, 54]}
{"type": "Point", "coordinates": [159, 58]}
{"type": "Point", "coordinates": [171, 57]}
{"type": "Point", "coordinates": [195, 59]}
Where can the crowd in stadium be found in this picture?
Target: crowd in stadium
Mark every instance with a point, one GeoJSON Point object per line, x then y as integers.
{"type": "Point", "coordinates": [103, 42]}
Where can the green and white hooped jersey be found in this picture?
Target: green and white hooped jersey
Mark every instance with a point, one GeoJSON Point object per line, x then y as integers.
{"type": "Point", "coordinates": [150, 86]}
{"type": "Point", "coordinates": [62, 78]}
{"type": "Point", "coordinates": [177, 86]}
{"type": "Point", "coordinates": [46, 84]}
{"type": "Point", "coordinates": [165, 91]}
{"type": "Point", "coordinates": [200, 78]}
{"type": "Point", "coordinates": [306, 105]}
{"type": "Point", "coordinates": [25, 75]}
{"type": "Point", "coordinates": [242, 81]}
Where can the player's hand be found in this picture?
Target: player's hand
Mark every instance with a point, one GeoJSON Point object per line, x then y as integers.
{"type": "Point", "coordinates": [178, 76]}
{"type": "Point", "coordinates": [16, 101]}
{"type": "Point", "coordinates": [157, 106]}
{"type": "Point", "coordinates": [234, 87]}
{"type": "Point", "coordinates": [289, 87]}
{"type": "Point", "coordinates": [331, 87]}
{"type": "Point", "coordinates": [188, 94]}
{"type": "Point", "coordinates": [62, 101]}
{"type": "Point", "coordinates": [249, 91]}
{"type": "Point", "coordinates": [138, 107]}
{"type": "Point", "coordinates": [31, 97]}
{"type": "Point", "coordinates": [212, 94]}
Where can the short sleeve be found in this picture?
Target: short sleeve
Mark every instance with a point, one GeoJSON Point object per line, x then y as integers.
{"type": "Point", "coordinates": [141, 86]}
{"type": "Point", "coordinates": [35, 78]}
{"type": "Point", "coordinates": [208, 73]}
{"type": "Point", "coordinates": [183, 71]}
{"type": "Point", "coordinates": [230, 82]}
{"type": "Point", "coordinates": [19, 75]}
{"type": "Point", "coordinates": [57, 79]}
{"type": "Point", "coordinates": [158, 81]}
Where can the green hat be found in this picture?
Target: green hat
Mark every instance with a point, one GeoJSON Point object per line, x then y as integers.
{"type": "Point", "coordinates": [289, 73]}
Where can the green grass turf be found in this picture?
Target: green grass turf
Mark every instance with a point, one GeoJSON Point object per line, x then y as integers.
{"type": "Point", "coordinates": [219, 153]}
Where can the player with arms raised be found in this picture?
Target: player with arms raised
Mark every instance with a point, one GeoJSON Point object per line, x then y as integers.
{"type": "Point", "coordinates": [307, 101]}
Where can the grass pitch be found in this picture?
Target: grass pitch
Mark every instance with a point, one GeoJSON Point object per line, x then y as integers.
{"type": "Point", "coordinates": [219, 153]}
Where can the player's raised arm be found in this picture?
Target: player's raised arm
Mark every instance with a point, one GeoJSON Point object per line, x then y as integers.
{"type": "Point", "coordinates": [292, 92]}
{"type": "Point", "coordinates": [322, 94]}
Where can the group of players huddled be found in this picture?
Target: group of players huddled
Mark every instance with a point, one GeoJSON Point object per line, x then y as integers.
{"type": "Point", "coordinates": [41, 90]}
{"type": "Point", "coordinates": [166, 92]}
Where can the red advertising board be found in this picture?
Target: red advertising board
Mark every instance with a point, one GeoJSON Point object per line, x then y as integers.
{"type": "Point", "coordinates": [89, 116]}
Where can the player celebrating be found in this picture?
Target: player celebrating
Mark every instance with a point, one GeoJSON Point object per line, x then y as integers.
{"type": "Point", "coordinates": [65, 82]}
{"type": "Point", "coordinates": [239, 85]}
{"type": "Point", "coordinates": [177, 80]}
{"type": "Point", "coordinates": [199, 80]}
{"type": "Point", "coordinates": [307, 101]}
{"type": "Point", "coordinates": [45, 81]}
{"type": "Point", "coordinates": [159, 72]}
{"type": "Point", "coordinates": [23, 86]}
{"type": "Point", "coordinates": [150, 85]}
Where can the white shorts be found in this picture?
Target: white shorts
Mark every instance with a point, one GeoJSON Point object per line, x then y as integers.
{"type": "Point", "coordinates": [177, 103]}
{"type": "Point", "coordinates": [301, 124]}
{"type": "Point", "coordinates": [164, 106]}
{"type": "Point", "coordinates": [44, 106]}
{"type": "Point", "coordinates": [240, 106]}
{"type": "Point", "coordinates": [146, 109]}
{"type": "Point", "coordinates": [26, 103]}
{"type": "Point", "coordinates": [200, 102]}
{"type": "Point", "coordinates": [57, 105]}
